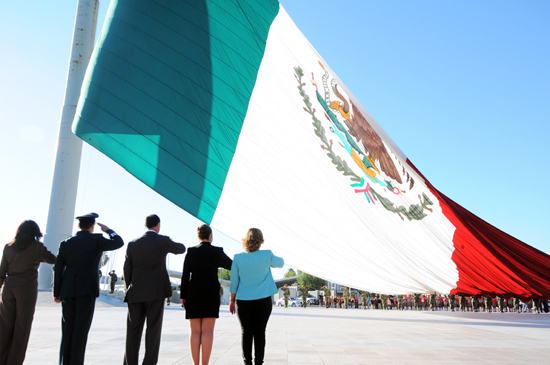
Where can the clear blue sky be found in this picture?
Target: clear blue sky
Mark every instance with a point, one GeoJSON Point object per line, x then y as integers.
{"type": "Point", "coordinates": [461, 87]}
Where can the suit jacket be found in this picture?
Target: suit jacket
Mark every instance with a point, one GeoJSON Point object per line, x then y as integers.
{"type": "Point", "coordinates": [145, 274]}
{"type": "Point", "coordinates": [203, 262]}
{"type": "Point", "coordinates": [251, 276]}
{"type": "Point", "coordinates": [77, 264]}
{"type": "Point", "coordinates": [21, 268]}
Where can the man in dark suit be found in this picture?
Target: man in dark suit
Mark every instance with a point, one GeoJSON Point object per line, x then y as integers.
{"type": "Point", "coordinates": [76, 284]}
{"type": "Point", "coordinates": [147, 285]}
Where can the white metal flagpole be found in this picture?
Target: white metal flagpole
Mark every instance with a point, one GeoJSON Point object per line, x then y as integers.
{"type": "Point", "coordinates": [67, 160]}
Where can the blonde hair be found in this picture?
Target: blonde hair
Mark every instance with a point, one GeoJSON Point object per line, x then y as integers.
{"type": "Point", "coordinates": [253, 240]}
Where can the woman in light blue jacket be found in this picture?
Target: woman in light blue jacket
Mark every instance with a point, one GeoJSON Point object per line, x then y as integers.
{"type": "Point", "coordinates": [252, 286]}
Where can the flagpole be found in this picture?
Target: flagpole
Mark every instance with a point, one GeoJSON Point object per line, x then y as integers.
{"type": "Point", "coordinates": [69, 147]}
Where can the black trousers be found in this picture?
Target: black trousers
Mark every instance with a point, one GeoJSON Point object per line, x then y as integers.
{"type": "Point", "coordinates": [253, 316]}
{"type": "Point", "coordinates": [78, 313]}
{"type": "Point", "coordinates": [17, 305]}
{"type": "Point", "coordinates": [153, 311]}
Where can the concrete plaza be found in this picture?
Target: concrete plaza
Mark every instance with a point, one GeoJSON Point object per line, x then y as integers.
{"type": "Point", "coordinates": [316, 336]}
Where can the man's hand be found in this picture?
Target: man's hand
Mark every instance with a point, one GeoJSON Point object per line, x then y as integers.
{"type": "Point", "coordinates": [57, 300]}
{"type": "Point", "coordinates": [103, 227]}
{"type": "Point", "coordinates": [183, 303]}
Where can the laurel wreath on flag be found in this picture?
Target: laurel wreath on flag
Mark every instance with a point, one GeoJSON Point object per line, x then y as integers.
{"type": "Point", "coordinates": [414, 212]}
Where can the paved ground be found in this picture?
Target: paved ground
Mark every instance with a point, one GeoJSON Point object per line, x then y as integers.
{"type": "Point", "coordinates": [317, 336]}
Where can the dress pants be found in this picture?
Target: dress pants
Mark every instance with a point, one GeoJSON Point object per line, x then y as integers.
{"type": "Point", "coordinates": [137, 313]}
{"type": "Point", "coordinates": [16, 314]}
{"type": "Point", "coordinates": [253, 316]}
{"type": "Point", "coordinates": [78, 313]}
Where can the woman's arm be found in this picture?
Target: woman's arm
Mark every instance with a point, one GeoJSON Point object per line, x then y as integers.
{"type": "Point", "coordinates": [47, 256]}
{"type": "Point", "coordinates": [277, 261]}
{"type": "Point", "coordinates": [234, 285]}
{"type": "Point", "coordinates": [232, 303]}
{"type": "Point", "coordinates": [3, 268]}
{"type": "Point", "coordinates": [185, 275]}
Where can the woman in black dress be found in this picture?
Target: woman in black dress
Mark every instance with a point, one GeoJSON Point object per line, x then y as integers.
{"type": "Point", "coordinates": [200, 292]}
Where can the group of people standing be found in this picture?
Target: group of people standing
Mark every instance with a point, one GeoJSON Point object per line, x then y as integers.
{"type": "Point", "coordinates": [474, 303]}
{"type": "Point", "coordinates": [147, 285]}
{"type": "Point", "coordinates": [433, 302]}
{"type": "Point", "coordinates": [489, 303]}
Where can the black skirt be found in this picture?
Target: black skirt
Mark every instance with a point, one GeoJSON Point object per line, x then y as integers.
{"type": "Point", "coordinates": [203, 300]}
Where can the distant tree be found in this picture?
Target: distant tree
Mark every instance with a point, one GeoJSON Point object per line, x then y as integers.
{"type": "Point", "coordinates": [311, 282]}
{"type": "Point", "coordinates": [224, 274]}
{"type": "Point", "coordinates": [290, 273]}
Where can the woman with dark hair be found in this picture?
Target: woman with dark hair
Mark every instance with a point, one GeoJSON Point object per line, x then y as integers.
{"type": "Point", "coordinates": [200, 292]}
{"type": "Point", "coordinates": [252, 286]}
{"type": "Point", "coordinates": [19, 283]}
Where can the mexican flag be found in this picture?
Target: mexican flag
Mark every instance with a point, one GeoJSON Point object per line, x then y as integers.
{"type": "Point", "coordinates": [225, 108]}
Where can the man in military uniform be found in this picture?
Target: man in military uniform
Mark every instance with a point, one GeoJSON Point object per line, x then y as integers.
{"type": "Point", "coordinates": [536, 305]}
{"type": "Point", "coordinates": [303, 289]}
{"type": "Point", "coordinates": [432, 302]}
{"type": "Point", "coordinates": [114, 279]}
{"type": "Point", "coordinates": [326, 290]}
{"type": "Point", "coordinates": [488, 303]}
{"type": "Point", "coordinates": [462, 302]}
{"type": "Point", "coordinates": [384, 299]}
{"type": "Point", "coordinates": [452, 302]}
{"type": "Point", "coordinates": [365, 298]}
{"type": "Point", "coordinates": [500, 301]}
{"type": "Point", "coordinates": [475, 303]}
{"type": "Point", "coordinates": [286, 294]}
{"type": "Point", "coordinates": [516, 305]}
{"type": "Point", "coordinates": [400, 305]}
{"type": "Point", "coordinates": [345, 292]}
{"type": "Point", "coordinates": [416, 301]}
{"type": "Point", "coordinates": [76, 284]}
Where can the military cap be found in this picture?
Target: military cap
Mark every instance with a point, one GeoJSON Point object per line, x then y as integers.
{"type": "Point", "coordinates": [88, 217]}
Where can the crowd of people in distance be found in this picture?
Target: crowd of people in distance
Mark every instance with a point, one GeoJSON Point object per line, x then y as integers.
{"type": "Point", "coordinates": [432, 302]}
{"type": "Point", "coordinates": [147, 285]}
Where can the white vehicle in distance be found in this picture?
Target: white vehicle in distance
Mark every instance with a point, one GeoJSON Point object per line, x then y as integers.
{"type": "Point", "coordinates": [311, 300]}
{"type": "Point", "coordinates": [292, 302]}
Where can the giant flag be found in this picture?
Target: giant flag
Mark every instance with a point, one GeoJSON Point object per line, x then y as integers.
{"type": "Point", "coordinates": [225, 108]}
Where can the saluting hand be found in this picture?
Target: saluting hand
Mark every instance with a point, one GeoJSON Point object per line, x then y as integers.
{"type": "Point", "coordinates": [103, 227]}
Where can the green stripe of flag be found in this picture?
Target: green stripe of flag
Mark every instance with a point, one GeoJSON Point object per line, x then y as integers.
{"type": "Point", "coordinates": [168, 91]}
